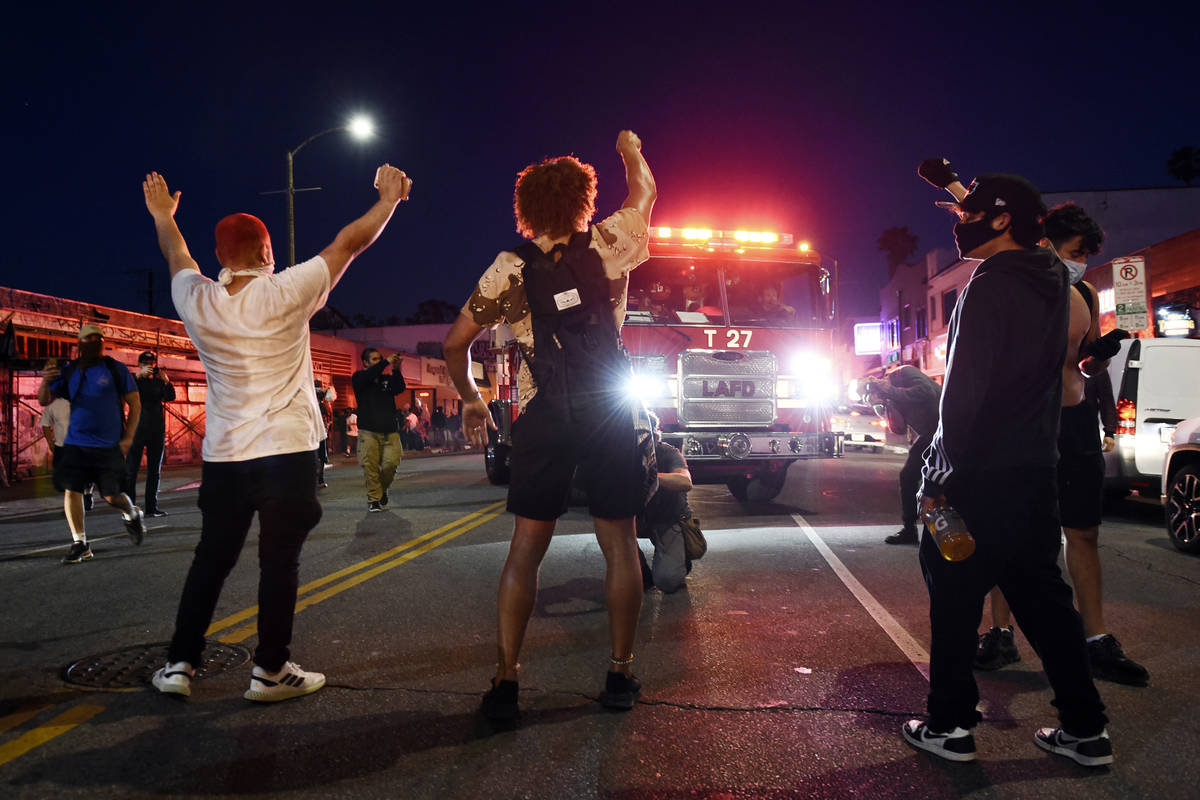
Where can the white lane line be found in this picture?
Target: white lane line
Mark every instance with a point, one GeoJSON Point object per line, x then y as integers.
{"type": "Point", "coordinates": [895, 631]}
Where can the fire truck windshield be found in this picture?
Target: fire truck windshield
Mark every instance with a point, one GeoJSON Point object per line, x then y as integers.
{"type": "Point", "coordinates": [772, 294]}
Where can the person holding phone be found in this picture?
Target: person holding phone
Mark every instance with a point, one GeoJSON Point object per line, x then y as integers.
{"type": "Point", "coordinates": [155, 389]}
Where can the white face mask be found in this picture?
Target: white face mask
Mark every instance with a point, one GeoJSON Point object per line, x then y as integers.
{"type": "Point", "coordinates": [226, 275]}
{"type": "Point", "coordinates": [1075, 270]}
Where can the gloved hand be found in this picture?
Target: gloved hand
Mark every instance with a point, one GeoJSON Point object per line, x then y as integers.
{"type": "Point", "coordinates": [1107, 345]}
{"type": "Point", "coordinates": [938, 172]}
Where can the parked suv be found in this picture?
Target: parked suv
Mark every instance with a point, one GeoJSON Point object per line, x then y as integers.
{"type": "Point", "coordinates": [1181, 486]}
{"type": "Point", "coordinates": [1157, 386]}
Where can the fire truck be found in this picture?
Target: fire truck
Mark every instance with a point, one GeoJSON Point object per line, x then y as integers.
{"type": "Point", "coordinates": [730, 335]}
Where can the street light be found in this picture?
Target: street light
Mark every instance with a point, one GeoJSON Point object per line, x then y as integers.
{"type": "Point", "coordinates": [360, 128]}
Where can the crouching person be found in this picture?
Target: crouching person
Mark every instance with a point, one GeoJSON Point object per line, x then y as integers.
{"type": "Point", "coordinates": [664, 519]}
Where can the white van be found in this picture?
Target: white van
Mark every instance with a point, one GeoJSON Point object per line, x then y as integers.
{"type": "Point", "coordinates": [1157, 385]}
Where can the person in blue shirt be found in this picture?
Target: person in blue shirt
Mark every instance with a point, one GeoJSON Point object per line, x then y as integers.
{"type": "Point", "coordinates": [99, 389]}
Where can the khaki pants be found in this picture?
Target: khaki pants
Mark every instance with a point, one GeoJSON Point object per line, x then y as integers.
{"type": "Point", "coordinates": [379, 454]}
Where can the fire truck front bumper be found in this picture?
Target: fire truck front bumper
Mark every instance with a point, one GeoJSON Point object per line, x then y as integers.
{"type": "Point", "coordinates": [754, 445]}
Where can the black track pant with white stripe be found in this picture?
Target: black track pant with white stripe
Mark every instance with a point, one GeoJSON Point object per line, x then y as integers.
{"type": "Point", "coordinates": [1013, 515]}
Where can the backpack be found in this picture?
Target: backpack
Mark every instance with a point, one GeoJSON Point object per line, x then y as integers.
{"type": "Point", "coordinates": [577, 362]}
{"type": "Point", "coordinates": [114, 369]}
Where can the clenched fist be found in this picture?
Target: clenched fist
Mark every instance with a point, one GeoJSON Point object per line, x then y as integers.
{"type": "Point", "coordinates": [628, 140]}
{"type": "Point", "coordinates": [392, 183]}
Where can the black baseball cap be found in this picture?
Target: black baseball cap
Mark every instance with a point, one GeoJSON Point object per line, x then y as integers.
{"type": "Point", "coordinates": [999, 193]}
{"type": "Point", "coordinates": [147, 358]}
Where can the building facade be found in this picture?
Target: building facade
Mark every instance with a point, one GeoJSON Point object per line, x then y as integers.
{"type": "Point", "coordinates": [36, 327]}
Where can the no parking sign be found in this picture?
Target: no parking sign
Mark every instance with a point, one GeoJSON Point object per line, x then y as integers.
{"type": "Point", "coordinates": [1129, 293]}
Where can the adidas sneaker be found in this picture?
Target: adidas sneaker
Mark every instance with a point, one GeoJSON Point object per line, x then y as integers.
{"type": "Point", "coordinates": [174, 678]}
{"type": "Point", "coordinates": [289, 682]}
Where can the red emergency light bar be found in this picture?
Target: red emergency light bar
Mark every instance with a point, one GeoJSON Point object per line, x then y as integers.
{"type": "Point", "coordinates": [719, 238]}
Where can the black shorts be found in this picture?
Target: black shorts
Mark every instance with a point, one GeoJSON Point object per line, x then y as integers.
{"type": "Point", "coordinates": [547, 447]}
{"type": "Point", "coordinates": [76, 468]}
{"type": "Point", "coordinates": [1080, 467]}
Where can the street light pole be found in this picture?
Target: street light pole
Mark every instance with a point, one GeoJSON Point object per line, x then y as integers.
{"type": "Point", "coordinates": [291, 191]}
{"type": "Point", "coordinates": [360, 128]}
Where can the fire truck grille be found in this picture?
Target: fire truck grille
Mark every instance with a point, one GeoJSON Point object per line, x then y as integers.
{"type": "Point", "coordinates": [727, 387]}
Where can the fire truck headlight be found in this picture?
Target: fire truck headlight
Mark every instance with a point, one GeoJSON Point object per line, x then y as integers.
{"type": "Point", "coordinates": [852, 391]}
{"type": "Point", "coordinates": [647, 387]}
{"type": "Point", "coordinates": [820, 389]}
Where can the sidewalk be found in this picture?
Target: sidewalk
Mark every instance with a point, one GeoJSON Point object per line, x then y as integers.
{"type": "Point", "coordinates": [27, 505]}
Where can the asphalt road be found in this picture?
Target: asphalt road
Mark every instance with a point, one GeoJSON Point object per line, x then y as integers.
{"type": "Point", "coordinates": [783, 670]}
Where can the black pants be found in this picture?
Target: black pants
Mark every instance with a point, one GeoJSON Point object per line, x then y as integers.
{"type": "Point", "coordinates": [151, 440]}
{"type": "Point", "coordinates": [910, 480]}
{"type": "Point", "coordinates": [322, 457]}
{"type": "Point", "coordinates": [282, 489]}
{"type": "Point", "coordinates": [1013, 515]}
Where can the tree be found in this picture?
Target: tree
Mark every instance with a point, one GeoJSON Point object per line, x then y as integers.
{"type": "Point", "coordinates": [1184, 164]}
{"type": "Point", "coordinates": [898, 244]}
{"type": "Point", "coordinates": [433, 312]}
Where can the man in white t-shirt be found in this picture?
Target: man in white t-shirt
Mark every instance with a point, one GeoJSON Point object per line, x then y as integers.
{"type": "Point", "coordinates": [250, 328]}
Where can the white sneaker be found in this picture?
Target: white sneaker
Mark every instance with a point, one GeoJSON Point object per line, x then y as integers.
{"type": "Point", "coordinates": [289, 682]}
{"type": "Point", "coordinates": [174, 678]}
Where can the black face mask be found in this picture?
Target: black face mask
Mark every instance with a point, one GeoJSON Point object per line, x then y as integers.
{"type": "Point", "coordinates": [970, 235]}
{"type": "Point", "coordinates": [90, 351]}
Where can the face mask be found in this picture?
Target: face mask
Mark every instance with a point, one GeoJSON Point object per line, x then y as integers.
{"type": "Point", "coordinates": [226, 275]}
{"type": "Point", "coordinates": [970, 235]}
{"type": "Point", "coordinates": [1075, 270]}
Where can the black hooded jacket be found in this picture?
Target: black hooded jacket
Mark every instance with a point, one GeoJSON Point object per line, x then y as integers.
{"type": "Point", "coordinates": [1003, 388]}
{"type": "Point", "coordinates": [915, 395]}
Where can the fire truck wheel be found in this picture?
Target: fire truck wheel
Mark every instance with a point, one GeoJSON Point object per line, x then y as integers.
{"type": "Point", "coordinates": [495, 459]}
{"type": "Point", "coordinates": [759, 489]}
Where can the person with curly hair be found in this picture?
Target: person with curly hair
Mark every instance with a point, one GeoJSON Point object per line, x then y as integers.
{"type": "Point", "coordinates": [568, 270]}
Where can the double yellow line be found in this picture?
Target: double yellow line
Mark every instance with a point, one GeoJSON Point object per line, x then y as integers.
{"type": "Point", "coordinates": [330, 585]}
{"type": "Point", "coordinates": [353, 575]}
{"type": "Point", "coordinates": [54, 728]}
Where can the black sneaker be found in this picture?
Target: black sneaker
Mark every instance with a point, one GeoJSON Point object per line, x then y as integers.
{"type": "Point", "coordinates": [1094, 751]}
{"type": "Point", "coordinates": [499, 703]}
{"type": "Point", "coordinates": [156, 512]}
{"type": "Point", "coordinates": [374, 506]}
{"type": "Point", "coordinates": [1109, 663]}
{"type": "Point", "coordinates": [87, 501]}
{"type": "Point", "coordinates": [905, 535]}
{"type": "Point", "coordinates": [957, 745]}
{"type": "Point", "coordinates": [620, 692]}
{"type": "Point", "coordinates": [79, 552]}
{"type": "Point", "coordinates": [383, 501]}
{"type": "Point", "coordinates": [135, 525]}
{"type": "Point", "coordinates": [996, 649]}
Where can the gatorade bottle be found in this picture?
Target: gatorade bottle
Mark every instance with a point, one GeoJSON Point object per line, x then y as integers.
{"type": "Point", "coordinates": [949, 532]}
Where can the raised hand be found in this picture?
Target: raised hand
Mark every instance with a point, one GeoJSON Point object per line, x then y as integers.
{"type": "Point", "coordinates": [159, 200]}
{"type": "Point", "coordinates": [392, 183]}
{"type": "Point", "coordinates": [628, 140]}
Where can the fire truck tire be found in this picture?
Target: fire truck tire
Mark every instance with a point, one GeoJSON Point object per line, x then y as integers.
{"type": "Point", "coordinates": [495, 460]}
{"type": "Point", "coordinates": [760, 489]}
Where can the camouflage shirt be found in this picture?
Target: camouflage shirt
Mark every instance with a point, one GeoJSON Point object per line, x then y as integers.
{"type": "Point", "coordinates": [500, 294]}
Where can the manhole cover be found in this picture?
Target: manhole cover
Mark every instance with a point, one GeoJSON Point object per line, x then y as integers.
{"type": "Point", "coordinates": [132, 667]}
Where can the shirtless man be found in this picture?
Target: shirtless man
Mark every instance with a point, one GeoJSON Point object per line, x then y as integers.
{"type": "Point", "coordinates": [1073, 235]}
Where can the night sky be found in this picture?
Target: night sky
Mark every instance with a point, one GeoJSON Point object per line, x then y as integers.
{"type": "Point", "coordinates": [801, 118]}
